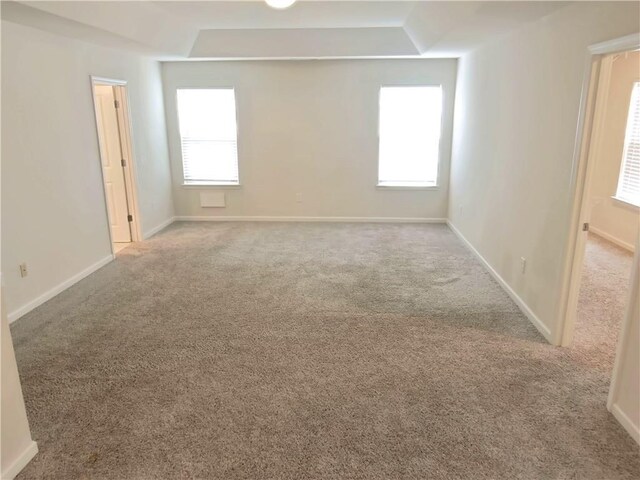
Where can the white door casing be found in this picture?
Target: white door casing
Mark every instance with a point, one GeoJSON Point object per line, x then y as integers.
{"type": "Point", "coordinates": [111, 157]}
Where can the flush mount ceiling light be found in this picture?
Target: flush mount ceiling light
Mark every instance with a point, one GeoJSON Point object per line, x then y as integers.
{"type": "Point", "coordinates": [280, 4]}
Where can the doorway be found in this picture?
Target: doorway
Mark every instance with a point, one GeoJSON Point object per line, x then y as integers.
{"type": "Point", "coordinates": [608, 204]}
{"type": "Point", "coordinates": [599, 311]}
{"type": "Point", "coordinates": [613, 202]}
{"type": "Point", "coordinates": [114, 140]}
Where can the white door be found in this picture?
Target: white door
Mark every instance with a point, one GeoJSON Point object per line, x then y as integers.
{"type": "Point", "coordinates": [111, 156]}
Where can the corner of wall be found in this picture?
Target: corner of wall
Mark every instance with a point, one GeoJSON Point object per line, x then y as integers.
{"type": "Point", "coordinates": [151, 232]}
{"type": "Point", "coordinates": [18, 448]}
{"type": "Point", "coordinates": [522, 305]}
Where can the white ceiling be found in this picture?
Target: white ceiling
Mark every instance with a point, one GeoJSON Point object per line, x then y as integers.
{"type": "Point", "coordinates": [305, 14]}
{"type": "Point", "coordinates": [179, 30]}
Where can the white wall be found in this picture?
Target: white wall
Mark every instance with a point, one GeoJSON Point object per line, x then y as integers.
{"type": "Point", "coordinates": [624, 399]}
{"type": "Point", "coordinates": [53, 207]}
{"type": "Point", "coordinates": [610, 218]}
{"type": "Point", "coordinates": [310, 128]}
{"type": "Point", "coordinates": [516, 115]}
{"type": "Point", "coordinates": [17, 448]}
{"type": "Point", "coordinates": [626, 396]}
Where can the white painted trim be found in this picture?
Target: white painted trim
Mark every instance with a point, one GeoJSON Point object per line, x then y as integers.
{"type": "Point", "coordinates": [628, 42]}
{"type": "Point", "coordinates": [108, 81]}
{"type": "Point", "coordinates": [542, 328]}
{"type": "Point", "coordinates": [21, 462]}
{"type": "Point", "coordinates": [626, 422]}
{"type": "Point", "coordinates": [123, 115]}
{"type": "Point", "coordinates": [588, 139]}
{"type": "Point", "coordinates": [236, 186]}
{"type": "Point", "coordinates": [625, 204]}
{"type": "Point", "coordinates": [157, 228]}
{"type": "Point", "coordinates": [407, 187]}
{"type": "Point", "coordinates": [201, 218]}
{"type": "Point", "coordinates": [624, 338]}
{"type": "Point", "coordinates": [612, 239]}
{"type": "Point", "coordinates": [102, 177]}
{"type": "Point", "coordinates": [49, 294]}
{"type": "Point", "coordinates": [597, 69]}
{"type": "Point", "coordinates": [130, 171]}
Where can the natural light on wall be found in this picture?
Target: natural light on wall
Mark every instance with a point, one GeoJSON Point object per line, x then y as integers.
{"type": "Point", "coordinates": [629, 181]}
{"type": "Point", "coordinates": [409, 131]}
{"type": "Point", "coordinates": [208, 135]}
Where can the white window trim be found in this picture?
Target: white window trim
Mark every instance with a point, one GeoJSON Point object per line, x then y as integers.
{"type": "Point", "coordinates": [210, 185]}
{"type": "Point", "coordinates": [626, 203]}
{"type": "Point", "coordinates": [436, 185]}
{"type": "Point", "coordinates": [205, 184]}
{"type": "Point", "coordinates": [382, 186]}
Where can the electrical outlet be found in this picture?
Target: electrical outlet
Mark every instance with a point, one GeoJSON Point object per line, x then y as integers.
{"type": "Point", "coordinates": [23, 270]}
{"type": "Point", "coordinates": [523, 264]}
{"type": "Point", "coordinates": [298, 198]}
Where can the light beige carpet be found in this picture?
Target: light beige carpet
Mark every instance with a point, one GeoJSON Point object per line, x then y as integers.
{"type": "Point", "coordinates": [601, 306]}
{"type": "Point", "coordinates": [294, 351]}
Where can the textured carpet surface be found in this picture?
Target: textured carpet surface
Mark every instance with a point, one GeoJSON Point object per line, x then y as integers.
{"type": "Point", "coordinates": [603, 296]}
{"type": "Point", "coordinates": [294, 351]}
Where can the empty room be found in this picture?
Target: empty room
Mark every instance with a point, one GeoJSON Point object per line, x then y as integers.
{"type": "Point", "coordinates": [298, 239]}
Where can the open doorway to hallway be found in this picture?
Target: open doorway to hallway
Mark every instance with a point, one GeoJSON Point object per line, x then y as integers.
{"type": "Point", "coordinates": [602, 314]}
{"type": "Point", "coordinates": [614, 203]}
{"type": "Point", "coordinates": [112, 123]}
{"type": "Point", "coordinates": [601, 302]}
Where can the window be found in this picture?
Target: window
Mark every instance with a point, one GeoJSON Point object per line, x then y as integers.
{"type": "Point", "coordinates": [409, 135]}
{"type": "Point", "coordinates": [629, 180]}
{"type": "Point", "coordinates": [208, 136]}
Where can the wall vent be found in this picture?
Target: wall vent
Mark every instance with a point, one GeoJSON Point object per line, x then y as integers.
{"type": "Point", "coordinates": [212, 200]}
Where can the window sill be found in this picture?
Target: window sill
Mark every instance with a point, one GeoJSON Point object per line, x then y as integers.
{"type": "Point", "coordinates": [211, 185]}
{"type": "Point", "coordinates": [407, 187]}
{"type": "Point", "coordinates": [625, 203]}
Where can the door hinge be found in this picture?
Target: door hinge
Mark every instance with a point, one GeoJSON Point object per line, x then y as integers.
{"type": "Point", "coordinates": [130, 218]}
{"type": "Point", "coordinates": [585, 227]}
{"type": "Point", "coordinates": [116, 103]}
{"type": "Point", "coordinates": [123, 162]}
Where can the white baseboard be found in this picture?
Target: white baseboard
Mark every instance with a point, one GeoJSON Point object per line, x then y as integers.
{"type": "Point", "coordinates": [156, 229]}
{"type": "Point", "coordinates": [16, 467]}
{"type": "Point", "coordinates": [542, 328]}
{"type": "Point", "coordinates": [625, 421]}
{"type": "Point", "coordinates": [612, 239]}
{"type": "Point", "coordinates": [196, 218]}
{"type": "Point", "coordinates": [49, 294]}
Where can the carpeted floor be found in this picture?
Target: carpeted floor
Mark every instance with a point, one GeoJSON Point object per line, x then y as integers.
{"type": "Point", "coordinates": [294, 351]}
{"type": "Point", "coordinates": [603, 296]}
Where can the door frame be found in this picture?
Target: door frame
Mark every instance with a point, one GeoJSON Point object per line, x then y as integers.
{"type": "Point", "coordinates": [589, 133]}
{"type": "Point", "coordinates": [126, 144]}
{"type": "Point", "coordinates": [588, 137]}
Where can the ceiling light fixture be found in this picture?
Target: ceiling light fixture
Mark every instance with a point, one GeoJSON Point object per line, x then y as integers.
{"type": "Point", "coordinates": [280, 4]}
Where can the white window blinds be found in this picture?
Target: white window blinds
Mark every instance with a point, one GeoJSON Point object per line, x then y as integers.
{"type": "Point", "coordinates": [208, 136]}
{"type": "Point", "coordinates": [409, 131]}
{"type": "Point", "coordinates": [629, 180]}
